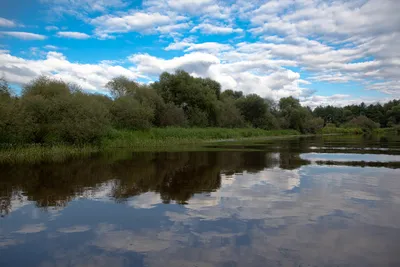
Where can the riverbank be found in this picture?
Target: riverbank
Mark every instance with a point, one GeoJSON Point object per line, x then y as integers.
{"type": "Point", "coordinates": [152, 139]}
{"type": "Point", "coordinates": [155, 139]}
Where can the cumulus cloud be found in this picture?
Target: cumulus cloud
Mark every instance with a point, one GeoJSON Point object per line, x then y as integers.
{"type": "Point", "coordinates": [82, 8]}
{"type": "Point", "coordinates": [23, 35]}
{"type": "Point", "coordinates": [73, 35]}
{"type": "Point", "coordinates": [208, 28]}
{"type": "Point", "coordinates": [325, 41]}
{"type": "Point", "coordinates": [88, 76]}
{"type": "Point", "coordinates": [135, 22]}
{"type": "Point", "coordinates": [51, 28]}
{"type": "Point", "coordinates": [51, 47]}
{"type": "Point", "coordinates": [210, 47]}
{"type": "Point", "coordinates": [262, 77]}
{"type": "Point", "coordinates": [7, 23]}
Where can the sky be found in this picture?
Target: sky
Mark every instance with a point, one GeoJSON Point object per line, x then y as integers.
{"type": "Point", "coordinates": [335, 52]}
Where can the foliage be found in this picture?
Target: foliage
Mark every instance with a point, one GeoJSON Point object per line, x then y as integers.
{"type": "Point", "coordinates": [229, 116]}
{"type": "Point", "coordinates": [171, 136]}
{"type": "Point", "coordinates": [172, 115]}
{"type": "Point", "coordinates": [293, 114]}
{"type": "Point", "coordinates": [341, 130]}
{"type": "Point", "coordinates": [128, 113]}
{"type": "Point", "coordinates": [385, 114]}
{"type": "Point", "coordinates": [314, 125]}
{"type": "Point", "coordinates": [121, 86]}
{"type": "Point", "coordinates": [367, 125]}
{"type": "Point", "coordinates": [50, 111]}
{"type": "Point", "coordinates": [253, 109]}
{"type": "Point", "coordinates": [198, 97]}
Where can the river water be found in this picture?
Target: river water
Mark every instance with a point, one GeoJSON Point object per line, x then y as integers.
{"type": "Point", "coordinates": [315, 201]}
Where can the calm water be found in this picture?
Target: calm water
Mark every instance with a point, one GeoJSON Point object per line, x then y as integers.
{"type": "Point", "coordinates": [332, 201]}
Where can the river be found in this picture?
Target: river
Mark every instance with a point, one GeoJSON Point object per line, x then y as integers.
{"type": "Point", "coordinates": [310, 201]}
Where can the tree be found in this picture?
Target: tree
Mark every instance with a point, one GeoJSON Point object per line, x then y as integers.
{"type": "Point", "coordinates": [84, 120]}
{"type": "Point", "coordinates": [51, 111]}
{"type": "Point", "coordinates": [121, 86]}
{"type": "Point", "coordinates": [254, 109]}
{"type": "Point", "coordinates": [313, 125]}
{"type": "Point", "coordinates": [231, 94]}
{"type": "Point", "coordinates": [196, 96]}
{"type": "Point", "coordinates": [229, 115]}
{"type": "Point", "coordinates": [394, 115]}
{"type": "Point", "coordinates": [293, 114]}
{"type": "Point", "coordinates": [366, 124]}
{"type": "Point", "coordinates": [7, 113]}
{"type": "Point", "coordinates": [128, 113]}
{"type": "Point", "coordinates": [172, 116]}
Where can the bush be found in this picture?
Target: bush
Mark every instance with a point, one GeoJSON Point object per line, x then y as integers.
{"type": "Point", "coordinates": [367, 125]}
{"type": "Point", "coordinates": [85, 120]}
{"type": "Point", "coordinates": [314, 125]}
{"type": "Point", "coordinates": [229, 115]}
{"type": "Point", "coordinates": [128, 113]}
{"type": "Point", "coordinates": [197, 117]}
{"type": "Point", "coordinates": [172, 116]}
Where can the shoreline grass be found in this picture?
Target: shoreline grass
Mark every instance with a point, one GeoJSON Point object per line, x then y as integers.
{"type": "Point", "coordinates": [149, 140]}
{"type": "Point", "coordinates": [164, 137]}
{"type": "Point", "coordinates": [155, 139]}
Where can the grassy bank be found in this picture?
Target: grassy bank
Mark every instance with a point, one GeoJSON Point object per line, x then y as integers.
{"type": "Point", "coordinates": [164, 137]}
{"type": "Point", "coordinates": [341, 130]}
{"type": "Point", "coordinates": [153, 139]}
{"type": "Point", "coordinates": [37, 153]}
{"type": "Point", "coordinates": [357, 131]}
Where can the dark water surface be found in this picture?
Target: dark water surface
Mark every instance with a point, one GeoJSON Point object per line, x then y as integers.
{"type": "Point", "coordinates": [332, 201]}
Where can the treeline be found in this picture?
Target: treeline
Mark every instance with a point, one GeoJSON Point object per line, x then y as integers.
{"type": "Point", "coordinates": [51, 111]}
{"type": "Point", "coordinates": [386, 115]}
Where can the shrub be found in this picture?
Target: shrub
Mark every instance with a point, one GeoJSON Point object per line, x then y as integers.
{"type": "Point", "coordinates": [128, 113]}
{"type": "Point", "coordinates": [172, 115]}
{"type": "Point", "coordinates": [229, 115]}
{"type": "Point", "coordinates": [314, 125]}
{"type": "Point", "coordinates": [367, 125]}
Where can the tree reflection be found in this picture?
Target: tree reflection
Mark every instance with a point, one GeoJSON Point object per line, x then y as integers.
{"type": "Point", "coordinates": [175, 176]}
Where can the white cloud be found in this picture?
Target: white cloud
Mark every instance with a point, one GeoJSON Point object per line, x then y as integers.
{"type": "Point", "coordinates": [24, 35]}
{"type": "Point", "coordinates": [7, 23]}
{"type": "Point", "coordinates": [73, 35]}
{"type": "Point", "coordinates": [194, 63]}
{"type": "Point", "coordinates": [331, 41]}
{"type": "Point", "coordinates": [208, 28]}
{"type": "Point", "coordinates": [82, 8]}
{"type": "Point", "coordinates": [88, 76]}
{"type": "Point", "coordinates": [173, 28]}
{"type": "Point", "coordinates": [209, 47]}
{"type": "Point", "coordinates": [133, 22]}
{"type": "Point", "coordinates": [270, 81]}
{"type": "Point", "coordinates": [51, 28]}
{"type": "Point", "coordinates": [51, 47]}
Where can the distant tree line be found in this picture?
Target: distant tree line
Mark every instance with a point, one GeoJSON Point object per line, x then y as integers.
{"type": "Point", "coordinates": [52, 111]}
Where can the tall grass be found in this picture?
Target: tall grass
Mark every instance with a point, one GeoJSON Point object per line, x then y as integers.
{"type": "Point", "coordinates": [162, 137]}
{"type": "Point", "coordinates": [153, 139]}
{"type": "Point", "coordinates": [38, 153]}
{"type": "Point", "coordinates": [341, 130]}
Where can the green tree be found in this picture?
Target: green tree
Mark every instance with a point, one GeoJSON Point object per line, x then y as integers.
{"type": "Point", "coordinates": [231, 94]}
{"type": "Point", "coordinates": [196, 96]}
{"type": "Point", "coordinates": [313, 125]}
{"type": "Point", "coordinates": [254, 109]}
{"type": "Point", "coordinates": [394, 115]}
{"type": "Point", "coordinates": [366, 124]}
{"type": "Point", "coordinates": [293, 114]}
{"type": "Point", "coordinates": [121, 86]}
{"type": "Point", "coordinates": [128, 113]}
{"type": "Point", "coordinates": [172, 116]}
{"type": "Point", "coordinates": [229, 115]}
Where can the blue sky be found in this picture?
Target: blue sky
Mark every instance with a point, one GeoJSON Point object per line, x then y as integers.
{"type": "Point", "coordinates": [323, 52]}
